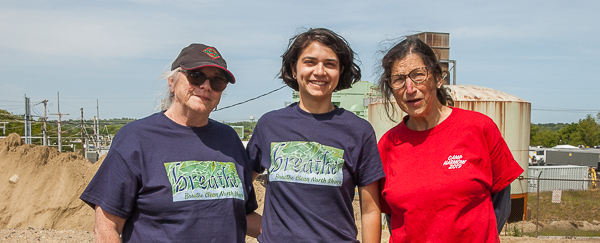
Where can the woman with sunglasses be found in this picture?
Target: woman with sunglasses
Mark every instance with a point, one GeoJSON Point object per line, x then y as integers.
{"type": "Point", "coordinates": [177, 176]}
{"type": "Point", "coordinates": [315, 153]}
{"type": "Point", "coordinates": [442, 164]}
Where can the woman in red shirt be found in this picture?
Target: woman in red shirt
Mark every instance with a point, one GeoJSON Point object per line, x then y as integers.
{"type": "Point", "coordinates": [442, 164]}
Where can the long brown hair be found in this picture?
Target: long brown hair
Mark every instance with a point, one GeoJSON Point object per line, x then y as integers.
{"type": "Point", "coordinates": [411, 45]}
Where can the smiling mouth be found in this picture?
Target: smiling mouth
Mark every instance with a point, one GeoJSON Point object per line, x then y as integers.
{"type": "Point", "coordinates": [319, 83]}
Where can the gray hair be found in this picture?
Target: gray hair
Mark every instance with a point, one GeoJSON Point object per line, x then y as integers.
{"type": "Point", "coordinates": [167, 95]}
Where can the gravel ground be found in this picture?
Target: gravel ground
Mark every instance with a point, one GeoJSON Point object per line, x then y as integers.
{"type": "Point", "coordinates": [54, 236]}
{"type": "Point", "coordinates": [45, 235]}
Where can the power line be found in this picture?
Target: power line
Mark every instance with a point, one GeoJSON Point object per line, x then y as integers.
{"type": "Point", "coordinates": [251, 99]}
{"type": "Point", "coordinates": [563, 110]}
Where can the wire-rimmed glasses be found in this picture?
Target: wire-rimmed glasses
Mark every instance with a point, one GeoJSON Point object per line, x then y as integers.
{"type": "Point", "coordinates": [417, 75]}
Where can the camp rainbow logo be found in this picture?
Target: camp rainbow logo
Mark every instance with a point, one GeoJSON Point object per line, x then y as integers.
{"type": "Point", "coordinates": [455, 162]}
{"type": "Point", "coordinates": [212, 52]}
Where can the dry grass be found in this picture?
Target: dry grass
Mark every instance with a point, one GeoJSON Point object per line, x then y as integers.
{"type": "Point", "coordinates": [576, 214]}
{"type": "Point", "coordinates": [575, 205]}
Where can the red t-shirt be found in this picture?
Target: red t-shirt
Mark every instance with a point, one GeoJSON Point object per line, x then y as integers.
{"type": "Point", "coordinates": [439, 181]}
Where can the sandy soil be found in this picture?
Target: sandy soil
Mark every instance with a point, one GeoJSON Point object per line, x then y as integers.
{"type": "Point", "coordinates": [40, 190]}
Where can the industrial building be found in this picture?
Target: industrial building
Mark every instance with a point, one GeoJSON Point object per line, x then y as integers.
{"type": "Point", "coordinates": [565, 155]}
{"type": "Point", "coordinates": [351, 99]}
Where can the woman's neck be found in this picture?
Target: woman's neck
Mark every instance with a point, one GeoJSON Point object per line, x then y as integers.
{"type": "Point", "coordinates": [316, 106]}
{"type": "Point", "coordinates": [186, 117]}
{"type": "Point", "coordinates": [434, 117]}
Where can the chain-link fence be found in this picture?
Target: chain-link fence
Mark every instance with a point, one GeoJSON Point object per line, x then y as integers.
{"type": "Point", "coordinates": [558, 207]}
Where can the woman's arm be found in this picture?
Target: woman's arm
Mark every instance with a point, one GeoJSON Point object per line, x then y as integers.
{"type": "Point", "coordinates": [254, 220]}
{"type": "Point", "coordinates": [255, 175]}
{"type": "Point", "coordinates": [108, 227]}
{"type": "Point", "coordinates": [370, 213]}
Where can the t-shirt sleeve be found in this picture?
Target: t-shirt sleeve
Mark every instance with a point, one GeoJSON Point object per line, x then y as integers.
{"type": "Point", "coordinates": [254, 151]}
{"type": "Point", "coordinates": [370, 168]}
{"type": "Point", "coordinates": [113, 188]}
{"type": "Point", "coordinates": [505, 168]}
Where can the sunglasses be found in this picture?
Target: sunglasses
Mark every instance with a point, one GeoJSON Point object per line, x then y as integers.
{"type": "Point", "coordinates": [197, 78]}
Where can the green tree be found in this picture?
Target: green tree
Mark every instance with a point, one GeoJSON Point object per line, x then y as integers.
{"type": "Point", "coordinates": [546, 138]}
{"type": "Point", "coordinates": [248, 127]}
{"type": "Point", "coordinates": [533, 131]}
{"type": "Point", "coordinates": [543, 137]}
{"type": "Point", "coordinates": [587, 132]}
{"type": "Point", "coordinates": [566, 135]}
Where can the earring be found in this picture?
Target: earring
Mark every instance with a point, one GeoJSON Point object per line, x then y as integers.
{"type": "Point", "coordinates": [294, 76]}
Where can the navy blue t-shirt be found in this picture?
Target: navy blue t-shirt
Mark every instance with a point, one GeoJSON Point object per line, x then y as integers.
{"type": "Point", "coordinates": [314, 162]}
{"type": "Point", "coordinates": [174, 183]}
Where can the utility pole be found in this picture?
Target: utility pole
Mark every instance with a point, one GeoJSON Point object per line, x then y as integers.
{"type": "Point", "coordinates": [99, 147]}
{"type": "Point", "coordinates": [44, 133]}
{"type": "Point", "coordinates": [95, 135]}
{"type": "Point", "coordinates": [27, 121]}
{"type": "Point", "coordinates": [59, 122]}
{"type": "Point", "coordinates": [83, 145]}
{"type": "Point", "coordinates": [3, 128]}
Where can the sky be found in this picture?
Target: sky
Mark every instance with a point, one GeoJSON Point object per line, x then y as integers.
{"type": "Point", "coordinates": [107, 56]}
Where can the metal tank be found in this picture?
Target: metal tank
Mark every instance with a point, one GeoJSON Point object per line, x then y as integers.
{"type": "Point", "coordinates": [512, 115]}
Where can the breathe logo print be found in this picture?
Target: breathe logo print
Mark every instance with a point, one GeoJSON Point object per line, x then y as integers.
{"type": "Point", "coordinates": [204, 180]}
{"type": "Point", "coordinates": [307, 163]}
{"type": "Point", "coordinates": [455, 162]}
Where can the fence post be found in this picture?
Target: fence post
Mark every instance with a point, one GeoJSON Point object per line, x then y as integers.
{"type": "Point", "coordinates": [537, 216]}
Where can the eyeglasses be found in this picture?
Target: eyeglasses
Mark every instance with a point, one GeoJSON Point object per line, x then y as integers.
{"type": "Point", "coordinates": [197, 78]}
{"type": "Point", "coordinates": [417, 75]}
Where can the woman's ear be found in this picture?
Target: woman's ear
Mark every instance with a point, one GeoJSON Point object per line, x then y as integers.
{"type": "Point", "coordinates": [293, 67]}
{"type": "Point", "coordinates": [171, 83]}
{"type": "Point", "coordinates": [439, 82]}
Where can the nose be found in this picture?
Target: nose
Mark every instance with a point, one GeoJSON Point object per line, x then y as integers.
{"type": "Point", "coordinates": [320, 69]}
{"type": "Point", "coordinates": [205, 84]}
{"type": "Point", "coordinates": [409, 86]}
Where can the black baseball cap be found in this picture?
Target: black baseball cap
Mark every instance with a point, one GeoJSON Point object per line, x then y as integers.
{"type": "Point", "coordinates": [199, 55]}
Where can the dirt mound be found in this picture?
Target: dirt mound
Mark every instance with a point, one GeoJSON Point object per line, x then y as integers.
{"type": "Point", "coordinates": [40, 187]}
{"type": "Point", "coordinates": [559, 225]}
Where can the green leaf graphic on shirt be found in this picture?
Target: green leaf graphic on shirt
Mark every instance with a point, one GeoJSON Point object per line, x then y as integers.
{"type": "Point", "coordinates": [204, 180]}
{"type": "Point", "coordinates": [307, 163]}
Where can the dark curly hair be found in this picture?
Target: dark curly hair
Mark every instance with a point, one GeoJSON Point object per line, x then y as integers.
{"type": "Point", "coordinates": [350, 70]}
{"type": "Point", "coordinates": [410, 45]}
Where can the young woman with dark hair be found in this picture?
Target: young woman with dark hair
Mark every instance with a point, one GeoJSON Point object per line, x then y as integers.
{"type": "Point", "coordinates": [315, 153]}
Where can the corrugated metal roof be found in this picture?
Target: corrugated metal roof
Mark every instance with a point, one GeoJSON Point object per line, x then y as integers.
{"type": "Point", "coordinates": [463, 92]}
